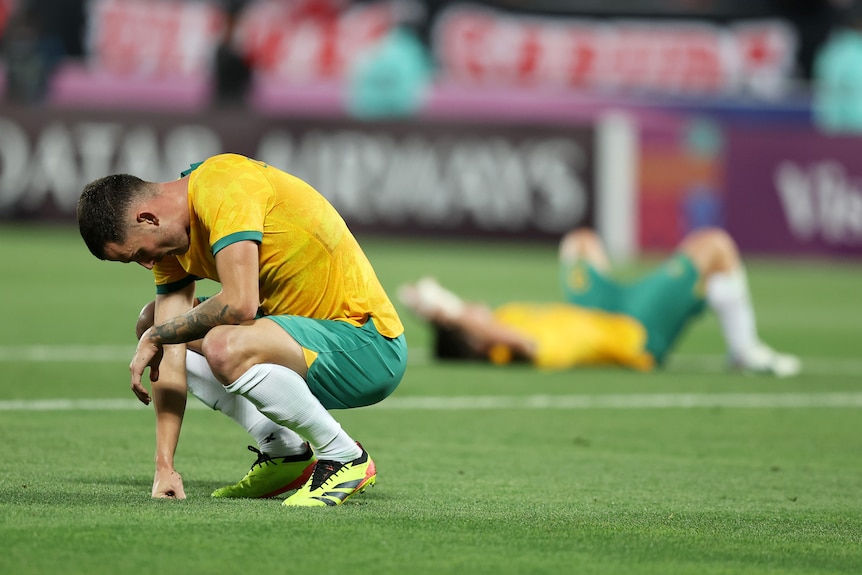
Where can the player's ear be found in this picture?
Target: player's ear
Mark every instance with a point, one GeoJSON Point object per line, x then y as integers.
{"type": "Point", "coordinates": [148, 217]}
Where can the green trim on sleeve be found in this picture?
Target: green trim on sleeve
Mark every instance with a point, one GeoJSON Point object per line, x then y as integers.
{"type": "Point", "coordinates": [236, 237]}
{"type": "Point", "coordinates": [175, 286]}
{"type": "Point", "coordinates": [191, 169]}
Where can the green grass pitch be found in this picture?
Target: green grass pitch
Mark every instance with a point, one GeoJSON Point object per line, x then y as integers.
{"type": "Point", "coordinates": [482, 470]}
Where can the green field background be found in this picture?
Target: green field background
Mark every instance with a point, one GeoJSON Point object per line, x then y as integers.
{"type": "Point", "coordinates": [462, 488]}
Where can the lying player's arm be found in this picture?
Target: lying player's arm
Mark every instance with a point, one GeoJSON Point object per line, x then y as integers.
{"type": "Point", "coordinates": [489, 337]}
{"type": "Point", "coordinates": [500, 344]}
{"type": "Point", "coordinates": [169, 392]}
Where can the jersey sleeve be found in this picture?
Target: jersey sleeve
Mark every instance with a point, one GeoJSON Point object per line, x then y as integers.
{"type": "Point", "coordinates": [232, 197]}
{"type": "Point", "coordinates": [170, 276]}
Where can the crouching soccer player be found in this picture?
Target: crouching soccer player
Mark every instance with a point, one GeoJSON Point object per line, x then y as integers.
{"type": "Point", "coordinates": [300, 326]}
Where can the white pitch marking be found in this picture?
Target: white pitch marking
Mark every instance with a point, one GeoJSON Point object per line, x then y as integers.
{"type": "Point", "coordinates": [528, 402]}
{"type": "Point", "coordinates": [66, 353]}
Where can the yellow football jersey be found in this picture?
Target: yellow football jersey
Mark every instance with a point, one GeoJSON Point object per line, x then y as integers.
{"type": "Point", "coordinates": [566, 335]}
{"type": "Point", "coordinates": [310, 263]}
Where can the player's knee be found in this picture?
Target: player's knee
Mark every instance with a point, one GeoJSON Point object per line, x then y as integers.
{"type": "Point", "coordinates": [714, 240]}
{"type": "Point", "coordinates": [573, 243]}
{"type": "Point", "coordinates": [722, 239]}
{"type": "Point", "coordinates": [709, 234]}
{"type": "Point", "coordinates": [145, 319]}
{"type": "Point", "coordinates": [583, 243]}
{"type": "Point", "coordinates": [221, 347]}
{"type": "Point", "coordinates": [231, 351]}
{"type": "Point", "coordinates": [712, 250]}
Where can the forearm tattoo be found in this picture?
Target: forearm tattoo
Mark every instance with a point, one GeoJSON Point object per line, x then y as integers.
{"type": "Point", "coordinates": [194, 324]}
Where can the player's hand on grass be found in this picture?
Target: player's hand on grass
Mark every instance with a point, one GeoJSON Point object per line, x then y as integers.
{"type": "Point", "coordinates": [148, 353]}
{"type": "Point", "coordinates": [168, 484]}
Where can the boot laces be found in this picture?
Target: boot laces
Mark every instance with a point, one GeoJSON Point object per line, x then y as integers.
{"type": "Point", "coordinates": [262, 458]}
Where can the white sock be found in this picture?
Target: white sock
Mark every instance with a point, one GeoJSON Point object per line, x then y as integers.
{"type": "Point", "coordinates": [272, 438]}
{"type": "Point", "coordinates": [283, 395]}
{"type": "Point", "coordinates": [728, 295]}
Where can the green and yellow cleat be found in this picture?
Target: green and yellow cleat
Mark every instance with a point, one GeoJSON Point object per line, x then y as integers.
{"type": "Point", "coordinates": [333, 482]}
{"type": "Point", "coordinates": [270, 476]}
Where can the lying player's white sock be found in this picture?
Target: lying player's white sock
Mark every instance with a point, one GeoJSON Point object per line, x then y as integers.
{"type": "Point", "coordinates": [728, 295]}
{"type": "Point", "coordinates": [283, 395]}
{"type": "Point", "coordinates": [272, 438]}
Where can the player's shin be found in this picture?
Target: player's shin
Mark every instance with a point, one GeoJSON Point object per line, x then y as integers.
{"type": "Point", "coordinates": [272, 438]}
{"type": "Point", "coordinates": [283, 395]}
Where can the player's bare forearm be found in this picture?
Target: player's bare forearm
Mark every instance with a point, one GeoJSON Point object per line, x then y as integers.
{"type": "Point", "coordinates": [169, 394]}
{"type": "Point", "coordinates": [196, 323]}
{"type": "Point", "coordinates": [170, 405]}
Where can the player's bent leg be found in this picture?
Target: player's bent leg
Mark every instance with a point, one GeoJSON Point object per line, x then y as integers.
{"type": "Point", "coordinates": [284, 459]}
{"type": "Point", "coordinates": [350, 366]}
{"type": "Point", "coordinates": [712, 250]}
{"type": "Point", "coordinates": [584, 244]}
{"type": "Point", "coordinates": [716, 256]}
{"type": "Point", "coordinates": [262, 363]}
{"type": "Point", "coordinates": [284, 396]}
{"type": "Point", "coordinates": [231, 350]}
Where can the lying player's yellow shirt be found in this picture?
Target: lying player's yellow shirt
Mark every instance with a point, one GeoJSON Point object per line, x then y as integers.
{"type": "Point", "coordinates": [310, 263]}
{"type": "Point", "coordinates": [566, 335]}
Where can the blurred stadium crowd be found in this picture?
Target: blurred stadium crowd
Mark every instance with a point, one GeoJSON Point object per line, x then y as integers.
{"type": "Point", "coordinates": [480, 116]}
{"type": "Point", "coordinates": [702, 47]}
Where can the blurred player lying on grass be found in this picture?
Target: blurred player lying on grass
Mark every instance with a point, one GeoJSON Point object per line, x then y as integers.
{"type": "Point", "coordinates": [604, 321]}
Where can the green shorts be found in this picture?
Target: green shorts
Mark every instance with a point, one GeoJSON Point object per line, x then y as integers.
{"type": "Point", "coordinates": [664, 301]}
{"type": "Point", "coordinates": [354, 366]}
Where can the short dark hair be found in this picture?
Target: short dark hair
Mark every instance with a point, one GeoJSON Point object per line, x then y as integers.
{"type": "Point", "coordinates": [102, 208]}
{"type": "Point", "coordinates": [450, 344]}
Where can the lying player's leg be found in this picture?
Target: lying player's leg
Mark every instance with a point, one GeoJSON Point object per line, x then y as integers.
{"type": "Point", "coordinates": [716, 256]}
{"type": "Point", "coordinates": [584, 272]}
{"type": "Point", "coordinates": [584, 244]}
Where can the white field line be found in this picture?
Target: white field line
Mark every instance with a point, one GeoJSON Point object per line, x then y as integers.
{"type": "Point", "coordinates": [818, 366]}
{"type": "Point", "coordinates": [529, 402]}
{"type": "Point", "coordinates": [66, 353]}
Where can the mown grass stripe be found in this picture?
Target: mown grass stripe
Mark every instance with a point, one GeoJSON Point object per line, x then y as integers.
{"type": "Point", "coordinates": [819, 366]}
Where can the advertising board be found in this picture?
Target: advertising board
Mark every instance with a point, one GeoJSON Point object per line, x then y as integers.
{"type": "Point", "coordinates": [410, 178]}
{"type": "Point", "coordinates": [794, 190]}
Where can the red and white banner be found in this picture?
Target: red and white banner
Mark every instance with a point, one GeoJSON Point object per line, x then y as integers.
{"type": "Point", "coordinates": [485, 47]}
{"type": "Point", "coordinates": [309, 41]}
{"type": "Point", "coordinates": [152, 38]}
{"type": "Point", "coordinates": [300, 40]}
{"type": "Point", "coordinates": [306, 41]}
